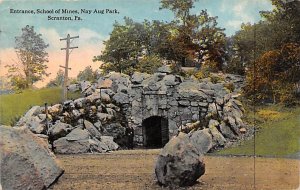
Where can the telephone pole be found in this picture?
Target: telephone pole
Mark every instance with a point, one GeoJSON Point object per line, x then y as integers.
{"type": "Point", "coordinates": [66, 67]}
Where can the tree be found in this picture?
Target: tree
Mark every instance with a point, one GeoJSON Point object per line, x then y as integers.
{"type": "Point", "coordinates": [275, 75]}
{"type": "Point", "coordinates": [209, 40]}
{"type": "Point", "coordinates": [198, 40]}
{"type": "Point", "coordinates": [180, 8]}
{"type": "Point", "coordinates": [129, 44]}
{"type": "Point", "coordinates": [271, 51]}
{"type": "Point", "coordinates": [183, 42]}
{"type": "Point", "coordinates": [277, 27]}
{"type": "Point", "coordinates": [31, 51]}
{"type": "Point", "coordinates": [87, 75]}
{"type": "Point", "coordinates": [122, 48]}
{"type": "Point", "coordinates": [59, 79]}
{"type": "Point", "coordinates": [149, 64]}
{"type": "Point", "coordinates": [285, 19]}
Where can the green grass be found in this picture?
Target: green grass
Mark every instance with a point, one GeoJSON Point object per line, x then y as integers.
{"type": "Point", "coordinates": [12, 106]}
{"type": "Point", "coordinates": [278, 134]}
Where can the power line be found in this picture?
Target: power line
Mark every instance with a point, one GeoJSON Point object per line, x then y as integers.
{"type": "Point", "coordinates": [66, 67]}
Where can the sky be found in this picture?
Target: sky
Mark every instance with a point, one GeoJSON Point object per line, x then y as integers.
{"type": "Point", "coordinates": [95, 27]}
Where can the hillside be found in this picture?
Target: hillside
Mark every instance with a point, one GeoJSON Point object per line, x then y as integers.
{"type": "Point", "coordinates": [277, 134]}
{"type": "Point", "coordinates": [12, 106]}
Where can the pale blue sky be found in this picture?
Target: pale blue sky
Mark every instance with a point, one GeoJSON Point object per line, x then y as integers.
{"type": "Point", "coordinates": [95, 28]}
{"type": "Point", "coordinates": [231, 14]}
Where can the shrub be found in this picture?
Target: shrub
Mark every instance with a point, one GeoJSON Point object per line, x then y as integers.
{"type": "Point", "coordinates": [229, 86]}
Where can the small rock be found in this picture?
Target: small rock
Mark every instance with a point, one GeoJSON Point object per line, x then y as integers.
{"type": "Point", "coordinates": [109, 141]}
{"type": "Point", "coordinates": [59, 130]}
{"type": "Point", "coordinates": [243, 130]}
{"type": "Point", "coordinates": [93, 131]}
{"type": "Point", "coordinates": [73, 88]}
{"type": "Point", "coordinates": [164, 69]}
{"type": "Point", "coordinates": [121, 98]}
{"type": "Point", "coordinates": [218, 138]}
{"type": "Point", "coordinates": [104, 84]}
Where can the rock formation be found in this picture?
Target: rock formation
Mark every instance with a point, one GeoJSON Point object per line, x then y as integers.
{"type": "Point", "coordinates": [26, 161]}
{"type": "Point", "coordinates": [118, 101]}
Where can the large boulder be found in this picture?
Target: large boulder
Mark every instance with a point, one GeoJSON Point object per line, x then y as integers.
{"type": "Point", "coordinates": [202, 140]}
{"type": "Point", "coordinates": [26, 161]}
{"type": "Point", "coordinates": [179, 163]}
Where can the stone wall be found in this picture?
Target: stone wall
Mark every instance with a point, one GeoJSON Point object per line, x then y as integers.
{"type": "Point", "coordinates": [117, 101]}
{"type": "Point", "coordinates": [170, 96]}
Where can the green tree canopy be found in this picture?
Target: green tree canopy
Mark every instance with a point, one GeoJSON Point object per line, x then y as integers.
{"type": "Point", "coordinates": [32, 56]}
{"type": "Point", "coordinates": [87, 75]}
{"type": "Point", "coordinates": [188, 40]}
{"type": "Point", "coordinates": [270, 52]}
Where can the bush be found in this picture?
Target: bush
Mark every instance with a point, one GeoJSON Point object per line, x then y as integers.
{"type": "Point", "coordinates": [276, 75]}
{"type": "Point", "coordinates": [215, 79]}
{"type": "Point", "coordinates": [210, 66]}
{"type": "Point", "coordinates": [18, 82]}
{"type": "Point", "coordinates": [229, 86]}
{"type": "Point", "coordinates": [149, 64]}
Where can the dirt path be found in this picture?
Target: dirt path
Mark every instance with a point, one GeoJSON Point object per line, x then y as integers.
{"type": "Point", "coordinates": [135, 170]}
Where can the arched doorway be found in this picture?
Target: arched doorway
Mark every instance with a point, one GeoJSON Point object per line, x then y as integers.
{"type": "Point", "coordinates": [155, 132]}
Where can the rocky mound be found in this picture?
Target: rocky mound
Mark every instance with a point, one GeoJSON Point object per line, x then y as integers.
{"type": "Point", "coordinates": [97, 121]}
{"type": "Point", "coordinates": [84, 125]}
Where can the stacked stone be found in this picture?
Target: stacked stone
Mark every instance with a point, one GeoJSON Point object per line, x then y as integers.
{"type": "Point", "coordinates": [180, 101]}
{"type": "Point", "coordinates": [89, 124]}
{"type": "Point", "coordinates": [117, 101]}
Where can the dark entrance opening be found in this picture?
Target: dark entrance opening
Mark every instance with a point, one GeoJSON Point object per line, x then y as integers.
{"type": "Point", "coordinates": [155, 132]}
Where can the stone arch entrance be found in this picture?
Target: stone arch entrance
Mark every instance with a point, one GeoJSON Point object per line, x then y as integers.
{"type": "Point", "coordinates": [155, 131]}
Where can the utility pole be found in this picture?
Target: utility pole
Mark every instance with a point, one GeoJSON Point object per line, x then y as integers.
{"type": "Point", "coordinates": [66, 67]}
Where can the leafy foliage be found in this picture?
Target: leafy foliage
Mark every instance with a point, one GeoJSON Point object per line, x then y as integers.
{"type": "Point", "coordinates": [268, 52]}
{"type": "Point", "coordinates": [32, 55]}
{"type": "Point", "coordinates": [58, 81]}
{"type": "Point", "coordinates": [275, 75]}
{"type": "Point", "coordinates": [149, 64]}
{"type": "Point", "coordinates": [189, 40]}
{"type": "Point", "coordinates": [277, 27]}
{"type": "Point", "coordinates": [87, 75]}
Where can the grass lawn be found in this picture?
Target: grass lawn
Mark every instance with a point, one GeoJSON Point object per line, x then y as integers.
{"type": "Point", "coordinates": [278, 133]}
{"type": "Point", "coordinates": [13, 106]}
